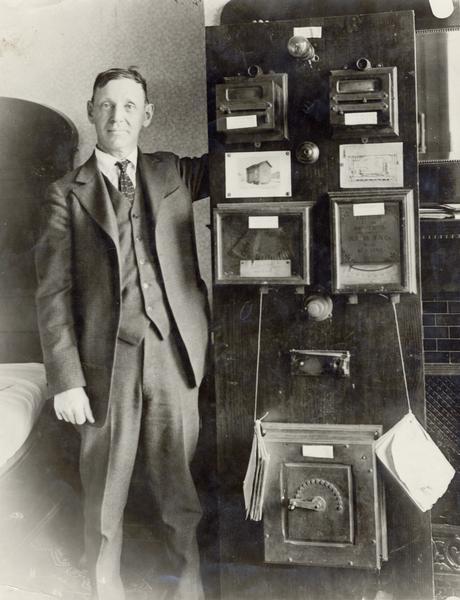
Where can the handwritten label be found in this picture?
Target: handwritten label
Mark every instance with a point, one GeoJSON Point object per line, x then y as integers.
{"type": "Point", "coordinates": [265, 268]}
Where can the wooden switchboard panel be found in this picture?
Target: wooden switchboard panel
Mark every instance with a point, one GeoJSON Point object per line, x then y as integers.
{"type": "Point", "coordinates": [374, 393]}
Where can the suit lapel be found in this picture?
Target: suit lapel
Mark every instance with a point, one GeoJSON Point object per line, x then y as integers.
{"type": "Point", "coordinates": [92, 193]}
{"type": "Point", "coordinates": [153, 180]}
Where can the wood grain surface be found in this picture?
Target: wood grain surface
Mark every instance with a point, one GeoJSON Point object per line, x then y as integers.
{"type": "Point", "coordinates": [374, 393]}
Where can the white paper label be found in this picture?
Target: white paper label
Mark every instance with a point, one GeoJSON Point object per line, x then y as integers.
{"type": "Point", "coordinates": [241, 122]}
{"type": "Point", "coordinates": [265, 268]}
{"type": "Point", "coordinates": [367, 209]}
{"type": "Point", "coordinates": [309, 32]}
{"type": "Point", "coordinates": [258, 174]}
{"type": "Point", "coordinates": [318, 451]}
{"type": "Point", "coordinates": [361, 118]}
{"type": "Point", "coordinates": [265, 222]}
{"type": "Point", "coordinates": [378, 165]}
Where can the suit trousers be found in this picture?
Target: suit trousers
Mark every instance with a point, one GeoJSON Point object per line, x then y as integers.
{"type": "Point", "coordinates": [153, 408]}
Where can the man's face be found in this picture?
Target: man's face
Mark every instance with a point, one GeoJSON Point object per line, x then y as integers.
{"type": "Point", "coordinates": [119, 112]}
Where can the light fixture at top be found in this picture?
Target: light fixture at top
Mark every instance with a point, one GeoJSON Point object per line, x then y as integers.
{"type": "Point", "coordinates": [442, 8]}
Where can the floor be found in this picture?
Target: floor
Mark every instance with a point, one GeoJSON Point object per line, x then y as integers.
{"type": "Point", "coordinates": [48, 563]}
{"type": "Point", "coordinates": [41, 542]}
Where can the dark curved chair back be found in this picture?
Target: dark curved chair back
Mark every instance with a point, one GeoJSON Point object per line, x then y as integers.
{"type": "Point", "coordinates": [37, 145]}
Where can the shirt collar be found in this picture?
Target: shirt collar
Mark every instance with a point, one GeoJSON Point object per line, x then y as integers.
{"type": "Point", "coordinates": [106, 162]}
{"type": "Point", "coordinates": [107, 165]}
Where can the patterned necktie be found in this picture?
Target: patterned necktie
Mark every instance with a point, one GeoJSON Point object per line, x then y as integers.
{"type": "Point", "coordinates": [125, 185]}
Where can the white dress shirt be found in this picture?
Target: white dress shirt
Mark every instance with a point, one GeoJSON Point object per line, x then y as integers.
{"type": "Point", "coordinates": [106, 163]}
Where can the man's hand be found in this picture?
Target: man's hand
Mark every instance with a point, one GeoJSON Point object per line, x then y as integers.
{"type": "Point", "coordinates": [73, 406]}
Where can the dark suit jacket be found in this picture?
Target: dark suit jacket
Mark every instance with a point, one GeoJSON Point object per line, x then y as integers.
{"type": "Point", "coordinates": [77, 257]}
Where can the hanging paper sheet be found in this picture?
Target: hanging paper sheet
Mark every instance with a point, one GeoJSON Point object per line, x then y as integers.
{"type": "Point", "coordinates": [256, 476]}
{"type": "Point", "coordinates": [415, 461]}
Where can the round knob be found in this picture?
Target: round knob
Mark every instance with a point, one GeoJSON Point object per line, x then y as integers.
{"type": "Point", "coordinates": [319, 308]}
{"type": "Point", "coordinates": [300, 47]}
{"type": "Point", "coordinates": [363, 63]}
{"type": "Point", "coordinates": [254, 71]}
{"type": "Point", "coordinates": [307, 153]}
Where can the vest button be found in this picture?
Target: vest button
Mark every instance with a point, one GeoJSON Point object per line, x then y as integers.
{"type": "Point", "coordinates": [145, 285]}
{"type": "Point", "coordinates": [139, 238]}
{"type": "Point", "coordinates": [142, 261]}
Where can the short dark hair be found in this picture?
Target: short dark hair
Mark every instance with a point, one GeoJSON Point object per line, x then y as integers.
{"type": "Point", "coordinates": [103, 78]}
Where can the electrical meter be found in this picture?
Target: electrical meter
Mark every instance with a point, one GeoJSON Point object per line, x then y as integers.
{"type": "Point", "coordinates": [373, 241]}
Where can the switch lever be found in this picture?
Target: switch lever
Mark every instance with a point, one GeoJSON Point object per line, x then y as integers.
{"type": "Point", "coordinates": [318, 504]}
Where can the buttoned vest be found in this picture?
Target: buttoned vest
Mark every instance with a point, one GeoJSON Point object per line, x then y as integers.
{"type": "Point", "coordinates": [143, 299]}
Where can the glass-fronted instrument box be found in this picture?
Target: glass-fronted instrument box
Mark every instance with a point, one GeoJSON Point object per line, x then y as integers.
{"type": "Point", "coordinates": [263, 242]}
{"type": "Point", "coordinates": [373, 241]}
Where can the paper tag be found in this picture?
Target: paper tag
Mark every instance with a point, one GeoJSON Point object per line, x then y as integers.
{"type": "Point", "coordinates": [309, 32]}
{"type": "Point", "coordinates": [318, 451]}
{"type": "Point", "coordinates": [361, 118]}
{"type": "Point", "coordinates": [265, 222]}
{"type": "Point", "coordinates": [367, 209]}
{"type": "Point", "coordinates": [265, 268]}
{"type": "Point", "coordinates": [241, 122]}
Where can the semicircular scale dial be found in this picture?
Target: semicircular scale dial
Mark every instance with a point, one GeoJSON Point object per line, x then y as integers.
{"type": "Point", "coordinates": [317, 494]}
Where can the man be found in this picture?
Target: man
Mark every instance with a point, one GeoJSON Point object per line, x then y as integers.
{"type": "Point", "coordinates": [123, 324]}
